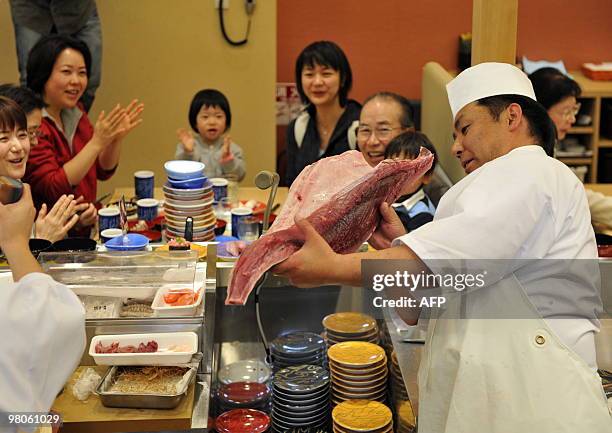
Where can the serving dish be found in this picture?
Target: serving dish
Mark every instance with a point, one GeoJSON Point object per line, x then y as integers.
{"type": "Point", "coordinates": [161, 309]}
{"type": "Point", "coordinates": [111, 398]}
{"type": "Point", "coordinates": [163, 355]}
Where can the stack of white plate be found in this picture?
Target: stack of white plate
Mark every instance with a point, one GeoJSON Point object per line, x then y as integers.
{"type": "Point", "coordinates": [196, 203]}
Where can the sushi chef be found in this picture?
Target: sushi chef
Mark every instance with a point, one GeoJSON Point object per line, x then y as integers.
{"type": "Point", "coordinates": [42, 322]}
{"type": "Point", "coordinates": [520, 205]}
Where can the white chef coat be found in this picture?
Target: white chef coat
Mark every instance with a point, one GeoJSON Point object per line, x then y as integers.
{"type": "Point", "coordinates": [523, 205]}
{"type": "Point", "coordinates": [42, 330]}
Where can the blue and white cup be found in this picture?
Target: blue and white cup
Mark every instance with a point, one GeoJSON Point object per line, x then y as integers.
{"type": "Point", "coordinates": [108, 218]}
{"type": "Point", "coordinates": [147, 209]}
{"type": "Point", "coordinates": [108, 234]}
{"type": "Point", "coordinates": [238, 214]}
{"type": "Point", "coordinates": [144, 183]}
{"type": "Point", "coordinates": [219, 186]}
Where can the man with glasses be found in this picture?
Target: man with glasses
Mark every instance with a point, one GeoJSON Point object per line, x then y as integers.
{"type": "Point", "coordinates": [384, 116]}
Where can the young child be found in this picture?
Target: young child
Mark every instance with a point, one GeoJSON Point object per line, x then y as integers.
{"type": "Point", "coordinates": [414, 207]}
{"type": "Point", "coordinates": [210, 117]}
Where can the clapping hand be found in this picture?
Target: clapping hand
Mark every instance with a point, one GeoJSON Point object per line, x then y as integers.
{"type": "Point", "coordinates": [226, 152]}
{"type": "Point", "coordinates": [55, 224]}
{"type": "Point", "coordinates": [131, 120]}
{"type": "Point", "coordinates": [186, 138]}
{"type": "Point", "coordinates": [88, 213]}
{"type": "Point", "coordinates": [109, 127]}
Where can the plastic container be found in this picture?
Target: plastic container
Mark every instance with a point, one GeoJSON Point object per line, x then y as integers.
{"type": "Point", "coordinates": [163, 356]}
{"type": "Point", "coordinates": [161, 309]}
{"type": "Point", "coordinates": [135, 242]}
{"type": "Point", "coordinates": [599, 72]}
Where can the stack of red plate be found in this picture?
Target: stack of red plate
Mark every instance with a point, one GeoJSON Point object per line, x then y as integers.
{"type": "Point", "coordinates": [196, 203]}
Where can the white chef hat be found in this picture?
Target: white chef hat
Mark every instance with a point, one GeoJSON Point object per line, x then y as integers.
{"type": "Point", "coordinates": [487, 79]}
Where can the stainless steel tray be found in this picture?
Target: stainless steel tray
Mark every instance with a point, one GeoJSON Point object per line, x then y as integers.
{"type": "Point", "coordinates": [141, 401]}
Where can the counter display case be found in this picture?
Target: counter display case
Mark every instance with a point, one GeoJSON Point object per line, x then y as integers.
{"type": "Point", "coordinates": [153, 295]}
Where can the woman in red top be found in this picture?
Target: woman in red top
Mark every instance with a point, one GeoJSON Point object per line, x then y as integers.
{"type": "Point", "coordinates": [72, 154]}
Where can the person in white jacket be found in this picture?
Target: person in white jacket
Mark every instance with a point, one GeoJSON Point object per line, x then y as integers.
{"type": "Point", "coordinates": [42, 322]}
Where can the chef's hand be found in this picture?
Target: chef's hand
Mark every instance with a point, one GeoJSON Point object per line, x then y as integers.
{"type": "Point", "coordinates": [55, 224]}
{"type": "Point", "coordinates": [389, 228]}
{"type": "Point", "coordinates": [186, 138]}
{"type": "Point", "coordinates": [16, 221]}
{"type": "Point", "coordinates": [226, 153]}
{"type": "Point", "coordinates": [308, 267]}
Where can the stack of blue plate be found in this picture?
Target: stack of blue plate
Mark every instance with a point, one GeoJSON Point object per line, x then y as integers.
{"type": "Point", "coordinates": [298, 348]}
{"type": "Point", "coordinates": [188, 193]}
{"type": "Point", "coordinates": [300, 398]}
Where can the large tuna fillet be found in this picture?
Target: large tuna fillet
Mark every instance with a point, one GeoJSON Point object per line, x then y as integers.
{"type": "Point", "coordinates": [340, 196]}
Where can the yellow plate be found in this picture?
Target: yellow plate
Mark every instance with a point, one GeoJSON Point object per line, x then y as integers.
{"type": "Point", "coordinates": [355, 354]}
{"type": "Point", "coordinates": [362, 415]}
{"type": "Point", "coordinates": [349, 323]}
{"type": "Point", "coordinates": [406, 415]}
{"type": "Point", "coordinates": [195, 247]}
{"type": "Point", "coordinates": [338, 429]}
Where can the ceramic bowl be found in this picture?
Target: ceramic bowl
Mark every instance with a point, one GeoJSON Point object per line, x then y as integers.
{"type": "Point", "coordinates": [184, 170]}
{"type": "Point", "coordinates": [195, 183]}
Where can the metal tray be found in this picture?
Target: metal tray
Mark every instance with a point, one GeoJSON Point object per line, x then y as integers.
{"type": "Point", "coordinates": [141, 401]}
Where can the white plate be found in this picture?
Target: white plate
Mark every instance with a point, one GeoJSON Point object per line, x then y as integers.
{"type": "Point", "coordinates": [162, 357]}
{"type": "Point", "coordinates": [161, 309]}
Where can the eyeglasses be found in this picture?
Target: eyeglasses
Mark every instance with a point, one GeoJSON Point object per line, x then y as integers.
{"type": "Point", "coordinates": [571, 111]}
{"type": "Point", "coordinates": [382, 133]}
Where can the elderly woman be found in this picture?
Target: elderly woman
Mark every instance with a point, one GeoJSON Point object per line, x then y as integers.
{"type": "Point", "coordinates": [327, 125]}
{"type": "Point", "coordinates": [72, 154]}
{"type": "Point", "coordinates": [38, 316]}
{"type": "Point", "coordinates": [557, 93]}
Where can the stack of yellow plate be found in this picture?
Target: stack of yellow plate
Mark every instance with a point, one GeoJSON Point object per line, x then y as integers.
{"type": "Point", "coordinates": [340, 327]}
{"type": "Point", "coordinates": [398, 388]}
{"type": "Point", "coordinates": [358, 370]}
{"type": "Point", "coordinates": [406, 422]}
{"type": "Point", "coordinates": [363, 416]}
